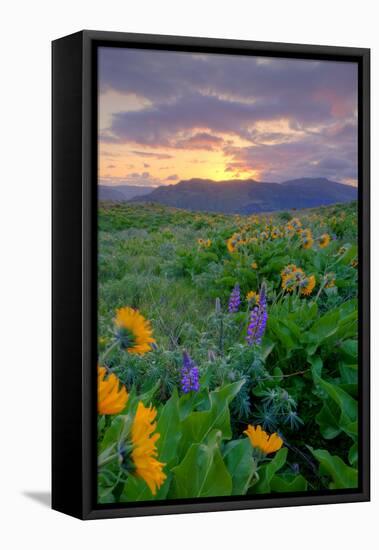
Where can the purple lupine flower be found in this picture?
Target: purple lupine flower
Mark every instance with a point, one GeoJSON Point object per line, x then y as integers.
{"type": "Point", "coordinates": [258, 320]}
{"type": "Point", "coordinates": [235, 299]}
{"type": "Point", "coordinates": [189, 375]}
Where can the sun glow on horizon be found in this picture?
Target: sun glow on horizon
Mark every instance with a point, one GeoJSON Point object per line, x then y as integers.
{"type": "Point", "coordinates": [161, 123]}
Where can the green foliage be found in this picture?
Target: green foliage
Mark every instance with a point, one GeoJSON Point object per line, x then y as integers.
{"type": "Point", "coordinates": [301, 382]}
{"type": "Point", "coordinates": [202, 472]}
{"type": "Point", "coordinates": [267, 472]}
{"type": "Point", "coordinates": [240, 463]}
{"type": "Point", "coordinates": [342, 476]}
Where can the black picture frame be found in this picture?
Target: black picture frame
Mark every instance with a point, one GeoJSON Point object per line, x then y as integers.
{"type": "Point", "coordinates": [74, 318]}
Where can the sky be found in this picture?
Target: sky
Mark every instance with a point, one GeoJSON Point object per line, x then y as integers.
{"type": "Point", "coordinates": [170, 116]}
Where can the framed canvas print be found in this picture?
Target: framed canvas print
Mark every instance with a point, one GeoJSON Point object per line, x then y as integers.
{"type": "Point", "coordinates": [210, 274]}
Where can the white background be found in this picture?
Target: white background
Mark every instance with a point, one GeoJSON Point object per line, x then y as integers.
{"type": "Point", "coordinates": [27, 29]}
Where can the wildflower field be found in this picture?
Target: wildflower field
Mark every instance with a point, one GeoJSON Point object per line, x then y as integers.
{"type": "Point", "coordinates": [227, 352]}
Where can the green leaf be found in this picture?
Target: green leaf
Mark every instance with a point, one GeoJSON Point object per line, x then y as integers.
{"type": "Point", "coordinates": [327, 419]}
{"type": "Point", "coordinates": [284, 483]}
{"type": "Point", "coordinates": [239, 461]}
{"type": "Point", "coordinates": [168, 427]}
{"type": "Point", "coordinates": [353, 454]}
{"type": "Point", "coordinates": [202, 472]}
{"type": "Point", "coordinates": [349, 255]}
{"type": "Point", "coordinates": [189, 401]}
{"type": "Point", "coordinates": [115, 432]}
{"type": "Point", "coordinates": [347, 405]}
{"type": "Point", "coordinates": [323, 328]}
{"type": "Point", "coordinates": [316, 364]}
{"type": "Point", "coordinates": [199, 424]}
{"type": "Point", "coordinates": [342, 475]}
{"type": "Point", "coordinates": [145, 397]}
{"type": "Point", "coordinates": [266, 348]}
{"type": "Point", "coordinates": [279, 331]}
{"type": "Point", "coordinates": [349, 349]}
{"type": "Point", "coordinates": [267, 471]}
{"type": "Point", "coordinates": [349, 374]}
{"type": "Point", "coordinates": [136, 489]}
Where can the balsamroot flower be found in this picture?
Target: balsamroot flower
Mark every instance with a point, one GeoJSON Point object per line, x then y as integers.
{"type": "Point", "coordinates": [231, 243]}
{"type": "Point", "coordinates": [329, 280]}
{"type": "Point", "coordinates": [306, 285]}
{"type": "Point", "coordinates": [276, 233]}
{"type": "Point", "coordinates": [204, 243]}
{"type": "Point", "coordinates": [295, 222]}
{"type": "Point", "coordinates": [258, 320]}
{"type": "Point", "coordinates": [189, 375]}
{"type": "Point", "coordinates": [134, 332]}
{"type": "Point", "coordinates": [324, 240]}
{"type": "Point", "coordinates": [306, 238]}
{"type": "Point", "coordinates": [111, 394]}
{"type": "Point", "coordinates": [144, 451]}
{"type": "Point", "coordinates": [293, 277]}
{"type": "Point", "coordinates": [235, 299]}
{"type": "Point", "coordinates": [262, 441]}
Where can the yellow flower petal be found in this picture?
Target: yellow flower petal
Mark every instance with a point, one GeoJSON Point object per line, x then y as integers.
{"type": "Point", "coordinates": [259, 439]}
{"type": "Point", "coordinates": [112, 395]}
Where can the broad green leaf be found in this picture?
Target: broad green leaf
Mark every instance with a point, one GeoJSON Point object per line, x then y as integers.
{"type": "Point", "coordinates": [316, 364]}
{"type": "Point", "coordinates": [267, 347]}
{"type": "Point", "coordinates": [202, 472]}
{"type": "Point", "coordinates": [168, 426]}
{"type": "Point", "coordinates": [145, 397]}
{"type": "Point", "coordinates": [342, 476]}
{"type": "Point", "coordinates": [189, 401]}
{"type": "Point", "coordinates": [349, 373]}
{"type": "Point", "coordinates": [239, 461]}
{"type": "Point", "coordinates": [349, 350]}
{"type": "Point", "coordinates": [267, 471]}
{"type": "Point", "coordinates": [348, 407]}
{"type": "Point", "coordinates": [199, 424]}
{"type": "Point", "coordinates": [115, 432]}
{"type": "Point", "coordinates": [279, 331]}
{"type": "Point", "coordinates": [327, 419]}
{"type": "Point", "coordinates": [136, 489]}
{"type": "Point", "coordinates": [353, 454]}
{"type": "Point", "coordinates": [323, 327]}
{"type": "Point", "coordinates": [284, 483]}
{"type": "Point", "coordinates": [349, 255]}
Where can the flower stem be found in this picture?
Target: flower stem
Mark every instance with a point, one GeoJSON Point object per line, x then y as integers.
{"type": "Point", "coordinates": [107, 352]}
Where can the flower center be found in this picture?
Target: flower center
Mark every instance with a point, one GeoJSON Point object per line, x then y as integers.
{"type": "Point", "coordinates": [125, 337]}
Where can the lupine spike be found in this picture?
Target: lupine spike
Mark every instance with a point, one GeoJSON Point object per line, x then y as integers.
{"type": "Point", "coordinates": [235, 299]}
{"type": "Point", "coordinates": [189, 374]}
{"type": "Point", "coordinates": [258, 320]}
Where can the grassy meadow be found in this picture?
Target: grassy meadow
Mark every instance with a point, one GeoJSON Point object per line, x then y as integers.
{"type": "Point", "coordinates": [227, 352]}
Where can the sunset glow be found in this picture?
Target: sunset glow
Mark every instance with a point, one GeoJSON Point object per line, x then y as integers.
{"type": "Point", "coordinates": [167, 116]}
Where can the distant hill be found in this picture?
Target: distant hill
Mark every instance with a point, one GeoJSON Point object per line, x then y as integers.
{"type": "Point", "coordinates": [250, 196]}
{"type": "Point", "coordinates": [121, 193]}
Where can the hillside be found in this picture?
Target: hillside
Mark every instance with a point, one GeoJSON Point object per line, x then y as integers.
{"type": "Point", "coordinates": [249, 196]}
{"type": "Point", "coordinates": [121, 193]}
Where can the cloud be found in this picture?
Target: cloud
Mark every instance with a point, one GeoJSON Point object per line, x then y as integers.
{"type": "Point", "coordinates": [282, 117]}
{"type": "Point", "coordinates": [135, 178]}
{"type": "Point", "coordinates": [173, 177]}
{"type": "Point", "coordinates": [312, 157]}
{"type": "Point", "coordinates": [164, 76]}
{"type": "Point", "coordinates": [161, 156]}
{"type": "Point", "coordinates": [162, 125]}
{"type": "Point", "coordinates": [201, 140]}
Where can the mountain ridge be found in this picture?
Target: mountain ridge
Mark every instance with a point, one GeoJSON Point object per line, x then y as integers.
{"type": "Point", "coordinates": [121, 193]}
{"type": "Point", "coordinates": [249, 196]}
